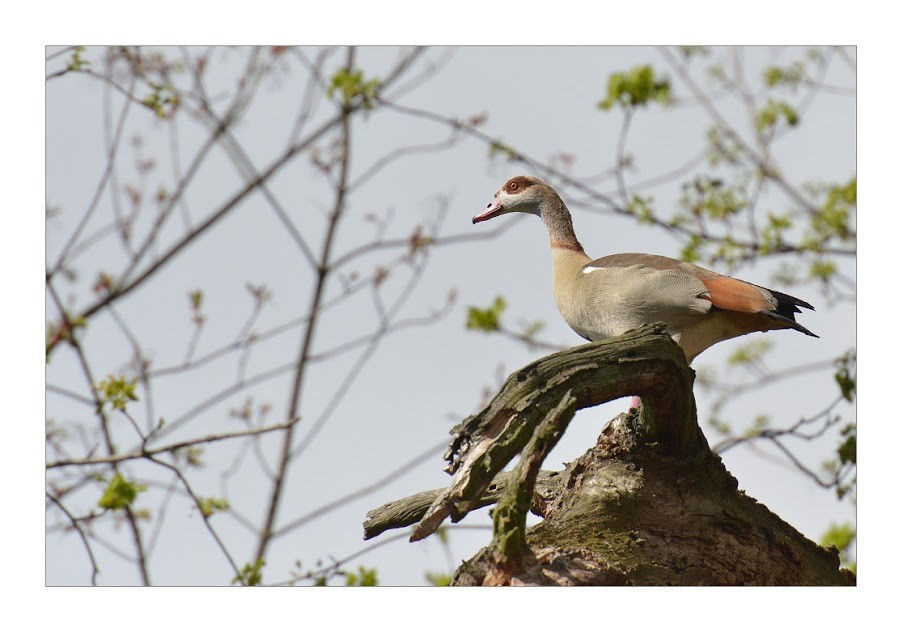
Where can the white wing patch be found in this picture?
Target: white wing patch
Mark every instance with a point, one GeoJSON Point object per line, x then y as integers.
{"type": "Point", "coordinates": [588, 269]}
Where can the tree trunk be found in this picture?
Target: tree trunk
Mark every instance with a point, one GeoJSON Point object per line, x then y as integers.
{"type": "Point", "coordinates": [625, 514]}
{"type": "Point", "coordinates": [649, 504]}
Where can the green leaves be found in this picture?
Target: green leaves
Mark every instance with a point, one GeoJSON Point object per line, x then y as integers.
{"type": "Point", "coordinates": [497, 148]}
{"type": "Point", "coordinates": [163, 99]}
{"type": "Point", "coordinates": [196, 297]}
{"type": "Point", "coordinates": [723, 147]}
{"type": "Point", "coordinates": [712, 198]}
{"type": "Point", "coordinates": [757, 426]}
{"type": "Point", "coordinates": [62, 331]}
{"type": "Point", "coordinates": [641, 208]}
{"type": "Point", "coordinates": [842, 469]}
{"type": "Point", "coordinates": [209, 505]}
{"type": "Point", "coordinates": [832, 221]}
{"type": "Point", "coordinates": [531, 329]}
{"type": "Point", "coordinates": [190, 456]}
{"type": "Point", "coordinates": [833, 217]}
{"type": "Point", "coordinates": [250, 575]}
{"type": "Point", "coordinates": [794, 74]}
{"type": "Point", "coordinates": [353, 90]}
{"type": "Point", "coordinates": [489, 319]}
{"type": "Point", "coordinates": [321, 577]}
{"type": "Point", "coordinates": [690, 251]}
{"type": "Point", "coordinates": [842, 536]}
{"type": "Point", "coordinates": [772, 235]}
{"type": "Point", "coordinates": [790, 76]}
{"type": "Point", "coordinates": [117, 392]}
{"type": "Point", "coordinates": [693, 51]}
{"type": "Point", "coordinates": [366, 577]}
{"type": "Point", "coordinates": [706, 200]}
{"type": "Point", "coordinates": [77, 62]}
{"type": "Point", "coordinates": [845, 376]}
{"type": "Point", "coordinates": [634, 88]}
{"type": "Point", "coordinates": [844, 464]}
{"type": "Point", "coordinates": [437, 579]}
{"type": "Point", "coordinates": [750, 353]}
{"type": "Point", "coordinates": [773, 113]}
{"type": "Point", "coordinates": [822, 269]}
{"type": "Point", "coordinates": [119, 493]}
{"type": "Point", "coordinates": [847, 449]}
{"type": "Point", "coordinates": [486, 319]}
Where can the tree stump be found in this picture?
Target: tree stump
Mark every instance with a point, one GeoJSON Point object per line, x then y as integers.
{"type": "Point", "coordinates": [649, 504]}
{"type": "Point", "coordinates": [626, 514]}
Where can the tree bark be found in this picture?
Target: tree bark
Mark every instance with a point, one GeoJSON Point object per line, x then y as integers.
{"type": "Point", "coordinates": [626, 514]}
{"type": "Point", "coordinates": [649, 504]}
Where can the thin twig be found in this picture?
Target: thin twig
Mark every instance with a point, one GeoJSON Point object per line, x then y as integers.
{"type": "Point", "coordinates": [81, 534]}
{"type": "Point", "coordinates": [378, 484]}
{"type": "Point", "coordinates": [204, 517]}
{"type": "Point", "coordinates": [760, 162]}
{"type": "Point", "coordinates": [98, 191]}
{"type": "Point", "coordinates": [169, 448]}
{"type": "Point", "coordinates": [307, 341]}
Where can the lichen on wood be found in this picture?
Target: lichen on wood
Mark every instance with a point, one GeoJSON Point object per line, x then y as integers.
{"type": "Point", "coordinates": [644, 362]}
{"type": "Point", "coordinates": [649, 504]}
{"type": "Point", "coordinates": [509, 538]}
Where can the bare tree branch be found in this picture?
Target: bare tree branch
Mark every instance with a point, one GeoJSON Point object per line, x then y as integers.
{"type": "Point", "coordinates": [75, 526]}
{"type": "Point", "coordinates": [169, 448]}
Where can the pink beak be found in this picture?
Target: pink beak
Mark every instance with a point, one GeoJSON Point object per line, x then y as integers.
{"type": "Point", "coordinates": [493, 209]}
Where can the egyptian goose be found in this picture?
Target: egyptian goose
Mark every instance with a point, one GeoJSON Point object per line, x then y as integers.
{"type": "Point", "coordinates": [609, 296]}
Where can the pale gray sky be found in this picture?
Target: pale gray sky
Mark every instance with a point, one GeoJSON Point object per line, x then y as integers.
{"type": "Point", "coordinates": [471, 184]}
{"type": "Point", "coordinates": [420, 381]}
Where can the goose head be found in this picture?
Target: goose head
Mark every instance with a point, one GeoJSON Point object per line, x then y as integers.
{"type": "Point", "coordinates": [524, 194]}
{"type": "Point", "coordinates": [528, 194]}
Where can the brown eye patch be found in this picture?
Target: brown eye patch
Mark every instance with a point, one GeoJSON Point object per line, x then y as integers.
{"type": "Point", "coordinates": [518, 183]}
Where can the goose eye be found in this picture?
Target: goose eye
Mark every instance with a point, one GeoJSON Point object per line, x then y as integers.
{"type": "Point", "coordinates": [512, 186]}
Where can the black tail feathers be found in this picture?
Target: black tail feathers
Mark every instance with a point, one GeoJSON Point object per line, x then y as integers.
{"type": "Point", "coordinates": [788, 307]}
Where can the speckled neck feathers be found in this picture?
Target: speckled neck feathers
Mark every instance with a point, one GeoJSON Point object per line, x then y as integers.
{"type": "Point", "coordinates": [558, 221]}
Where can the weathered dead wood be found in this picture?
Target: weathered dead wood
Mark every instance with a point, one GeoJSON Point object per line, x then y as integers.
{"type": "Point", "coordinates": [626, 514]}
{"type": "Point", "coordinates": [408, 511]}
{"type": "Point", "coordinates": [484, 443]}
{"type": "Point", "coordinates": [645, 363]}
{"type": "Point", "coordinates": [509, 519]}
{"type": "Point", "coordinates": [649, 504]}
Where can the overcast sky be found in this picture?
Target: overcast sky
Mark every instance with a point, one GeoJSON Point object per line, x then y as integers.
{"type": "Point", "coordinates": [558, 115]}
{"type": "Point", "coordinates": [420, 381]}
